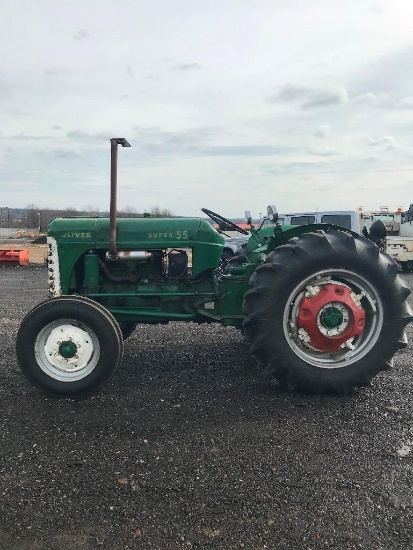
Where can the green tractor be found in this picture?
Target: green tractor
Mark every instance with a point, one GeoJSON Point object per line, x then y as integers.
{"type": "Point", "coordinates": [322, 308]}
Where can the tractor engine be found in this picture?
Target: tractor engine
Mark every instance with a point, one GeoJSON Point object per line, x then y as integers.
{"type": "Point", "coordinates": [136, 267]}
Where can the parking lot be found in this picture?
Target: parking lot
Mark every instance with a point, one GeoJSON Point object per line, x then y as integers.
{"type": "Point", "coordinates": [190, 445]}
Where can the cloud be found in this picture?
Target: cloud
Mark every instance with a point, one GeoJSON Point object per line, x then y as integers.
{"type": "Point", "coordinates": [129, 71]}
{"type": "Point", "coordinates": [80, 135]}
{"type": "Point", "coordinates": [153, 136]}
{"type": "Point", "coordinates": [380, 99]}
{"type": "Point", "coordinates": [27, 137]}
{"type": "Point", "coordinates": [195, 143]}
{"type": "Point", "coordinates": [308, 97]}
{"type": "Point", "coordinates": [377, 8]}
{"type": "Point", "coordinates": [323, 131]}
{"type": "Point", "coordinates": [389, 73]}
{"type": "Point", "coordinates": [405, 103]}
{"type": "Point", "coordinates": [81, 35]}
{"type": "Point", "coordinates": [65, 154]}
{"type": "Point", "coordinates": [241, 150]}
{"type": "Point", "coordinates": [299, 168]}
{"type": "Point", "coordinates": [371, 159]}
{"type": "Point", "coordinates": [5, 88]}
{"type": "Point", "coordinates": [186, 67]}
{"type": "Point", "coordinates": [408, 153]}
{"type": "Point", "coordinates": [320, 151]}
{"type": "Point", "coordinates": [17, 112]}
{"type": "Point", "coordinates": [389, 141]}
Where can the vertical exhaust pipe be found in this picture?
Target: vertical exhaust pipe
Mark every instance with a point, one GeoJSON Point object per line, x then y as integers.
{"type": "Point", "coordinates": [114, 142]}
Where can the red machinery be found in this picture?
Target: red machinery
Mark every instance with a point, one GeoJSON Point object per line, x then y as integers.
{"type": "Point", "coordinates": [10, 257]}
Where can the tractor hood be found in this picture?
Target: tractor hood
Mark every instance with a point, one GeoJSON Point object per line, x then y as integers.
{"type": "Point", "coordinates": [136, 232]}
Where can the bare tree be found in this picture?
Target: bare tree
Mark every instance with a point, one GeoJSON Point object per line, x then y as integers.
{"type": "Point", "coordinates": [71, 211]}
{"type": "Point", "coordinates": [31, 216]}
{"type": "Point", "coordinates": [128, 212]}
{"type": "Point", "coordinates": [91, 210]}
{"type": "Point", "coordinates": [158, 212]}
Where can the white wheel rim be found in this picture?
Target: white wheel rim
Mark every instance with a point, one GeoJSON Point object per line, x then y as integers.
{"type": "Point", "coordinates": [67, 350]}
{"type": "Point", "coordinates": [362, 345]}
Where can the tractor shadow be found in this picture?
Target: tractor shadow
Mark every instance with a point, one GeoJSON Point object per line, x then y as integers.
{"type": "Point", "coordinates": [206, 367]}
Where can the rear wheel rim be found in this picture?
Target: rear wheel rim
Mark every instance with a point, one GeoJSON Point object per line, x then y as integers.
{"type": "Point", "coordinates": [67, 350]}
{"type": "Point", "coordinates": [333, 319]}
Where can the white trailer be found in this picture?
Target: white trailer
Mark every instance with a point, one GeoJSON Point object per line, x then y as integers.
{"type": "Point", "coordinates": [400, 247]}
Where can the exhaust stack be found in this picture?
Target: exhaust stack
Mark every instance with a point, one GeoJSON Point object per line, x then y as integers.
{"type": "Point", "coordinates": [114, 142]}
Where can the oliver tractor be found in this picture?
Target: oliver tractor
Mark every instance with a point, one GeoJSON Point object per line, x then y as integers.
{"type": "Point", "coordinates": [322, 308]}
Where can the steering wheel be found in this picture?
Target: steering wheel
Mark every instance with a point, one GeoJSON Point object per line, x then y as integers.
{"type": "Point", "coordinates": [217, 218]}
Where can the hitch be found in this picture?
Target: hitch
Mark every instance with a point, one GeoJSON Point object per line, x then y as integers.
{"type": "Point", "coordinates": [10, 257]}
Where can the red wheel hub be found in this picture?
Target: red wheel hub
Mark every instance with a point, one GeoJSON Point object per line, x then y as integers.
{"type": "Point", "coordinates": [329, 315]}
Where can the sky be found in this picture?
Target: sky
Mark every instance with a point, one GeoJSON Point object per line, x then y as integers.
{"type": "Point", "coordinates": [305, 104]}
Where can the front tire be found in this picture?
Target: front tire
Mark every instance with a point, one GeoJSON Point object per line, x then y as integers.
{"type": "Point", "coordinates": [69, 346]}
{"type": "Point", "coordinates": [326, 312]}
{"type": "Point", "coordinates": [127, 328]}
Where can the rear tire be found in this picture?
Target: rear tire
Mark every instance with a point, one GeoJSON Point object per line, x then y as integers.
{"type": "Point", "coordinates": [69, 346]}
{"type": "Point", "coordinates": [326, 312]}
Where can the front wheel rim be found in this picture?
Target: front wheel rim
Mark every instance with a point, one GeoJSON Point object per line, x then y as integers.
{"type": "Point", "coordinates": [352, 323]}
{"type": "Point", "coordinates": [67, 350]}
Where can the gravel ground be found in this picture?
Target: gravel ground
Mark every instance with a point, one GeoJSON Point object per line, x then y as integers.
{"type": "Point", "coordinates": [191, 446]}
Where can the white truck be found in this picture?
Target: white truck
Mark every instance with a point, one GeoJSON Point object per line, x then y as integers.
{"type": "Point", "coordinates": [399, 228]}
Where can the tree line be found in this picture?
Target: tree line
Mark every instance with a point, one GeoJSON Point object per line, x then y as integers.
{"type": "Point", "coordinates": [32, 216]}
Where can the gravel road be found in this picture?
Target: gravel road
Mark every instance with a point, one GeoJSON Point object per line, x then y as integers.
{"type": "Point", "coordinates": [191, 446]}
